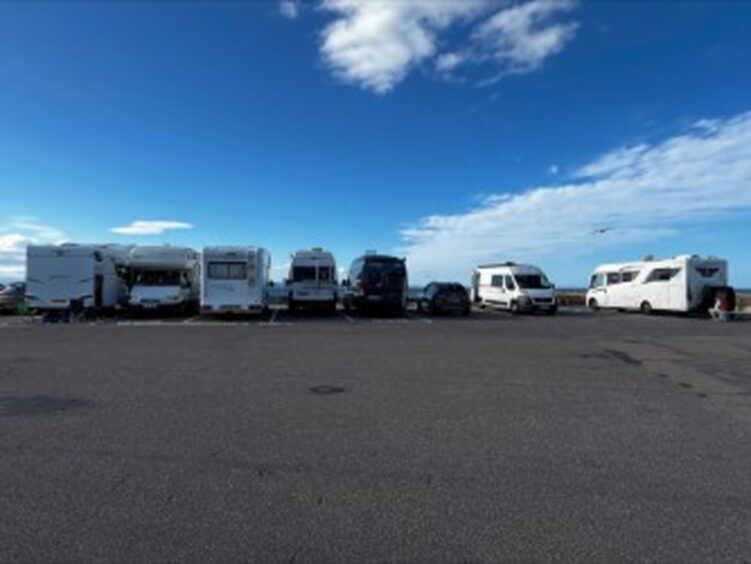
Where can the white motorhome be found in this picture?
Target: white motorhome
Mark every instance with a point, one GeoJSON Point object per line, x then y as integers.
{"type": "Point", "coordinates": [234, 280]}
{"type": "Point", "coordinates": [312, 280]}
{"type": "Point", "coordinates": [515, 287]}
{"type": "Point", "coordinates": [163, 277]}
{"type": "Point", "coordinates": [91, 277]}
{"type": "Point", "coordinates": [683, 284]}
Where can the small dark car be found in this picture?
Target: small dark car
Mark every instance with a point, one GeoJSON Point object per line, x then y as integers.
{"type": "Point", "coordinates": [12, 297]}
{"type": "Point", "coordinates": [444, 297]}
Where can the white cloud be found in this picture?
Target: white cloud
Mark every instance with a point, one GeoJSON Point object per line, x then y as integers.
{"type": "Point", "coordinates": [643, 193]}
{"type": "Point", "coordinates": [376, 43]}
{"type": "Point", "coordinates": [449, 61]}
{"type": "Point", "coordinates": [554, 169]}
{"type": "Point", "coordinates": [15, 236]}
{"type": "Point", "coordinates": [289, 9]}
{"type": "Point", "coordinates": [141, 227]}
{"type": "Point", "coordinates": [523, 36]}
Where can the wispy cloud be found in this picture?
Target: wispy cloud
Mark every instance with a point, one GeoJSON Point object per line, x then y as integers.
{"type": "Point", "coordinates": [522, 37]}
{"type": "Point", "coordinates": [290, 9]}
{"type": "Point", "coordinates": [18, 233]}
{"type": "Point", "coordinates": [141, 227]}
{"type": "Point", "coordinates": [644, 192]}
{"type": "Point", "coordinates": [376, 43]}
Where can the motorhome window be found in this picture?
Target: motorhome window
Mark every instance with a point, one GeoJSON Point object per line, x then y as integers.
{"type": "Point", "coordinates": [304, 273]}
{"type": "Point", "coordinates": [510, 283]}
{"type": "Point", "coordinates": [384, 273]}
{"type": "Point", "coordinates": [158, 278]}
{"type": "Point", "coordinates": [324, 273]}
{"type": "Point", "coordinates": [614, 278]}
{"type": "Point", "coordinates": [227, 271]}
{"type": "Point", "coordinates": [497, 281]}
{"type": "Point", "coordinates": [663, 274]}
{"type": "Point", "coordinates": [629, 276]}
{"type": "Point", "coordinates": [532, 281]}
{"type": "Point", "coordinates": [707, 272]}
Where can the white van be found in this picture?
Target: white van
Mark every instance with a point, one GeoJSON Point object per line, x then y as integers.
{"type": "Point", "coordinates": [91, 276]}
{"type": "Point", "coordinates": [515, 287]}
{"type": "Point", "coordinates": [163, 277]}
{"type": "Point", "coordinates": [683, 284]}
{"type": "Point", "coordinates": [312, 280]}
{"type": "Point", "coordinates": [234, 280]}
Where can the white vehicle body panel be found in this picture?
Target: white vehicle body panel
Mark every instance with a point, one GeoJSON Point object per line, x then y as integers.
{"type": "Point", "coordinates": [321, 286]}
{"type": "Point", "coordinates": [59, 274]}
{"type": "Point", "coordinates": [676, 284]}
{"type": "Point", "coordinates": [234, 279]}
{"type": "Point", "coordinates": [497, 285]}
{"type": "Point", "coordinates": [180, 268]}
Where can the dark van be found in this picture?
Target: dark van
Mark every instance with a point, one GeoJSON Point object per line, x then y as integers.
{"type": "Point", "coordinates": [377, 283]}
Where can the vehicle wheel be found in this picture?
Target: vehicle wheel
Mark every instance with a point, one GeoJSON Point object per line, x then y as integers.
{"type": "Point", "coordinates": [514, 307]}
{"type": "Point", "coordinates": [291, 306]}
{"type": "Point", "coordinates": [646, 308]}
{"type": "Point", "coordinates": [466, 311]}
{"type": "Point", "coordinates": [593, 305]}
{"type": "Point", "coordinates": [424, 306]}
{"type": "Point", "coordinates": [332, 307]}
{"type": "Point", "coordinates": [551, 311]}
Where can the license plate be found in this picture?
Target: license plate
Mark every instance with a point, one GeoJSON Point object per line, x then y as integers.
{"type": "Point", "coordinates": [59, 301]}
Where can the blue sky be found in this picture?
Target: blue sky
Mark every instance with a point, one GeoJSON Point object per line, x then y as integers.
{"type": "Point", "coordinates": [449, 132]}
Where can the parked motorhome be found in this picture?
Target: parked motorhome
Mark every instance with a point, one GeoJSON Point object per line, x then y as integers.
{"type": "Point", "coordinates": [312, 280]}
{"type": "Point", "coordinates": [163, 277]}
{"type": "Point", "coordinates": [519, 288]}
{"type": "Point", "coordinates": [234, 280]}
{"type": "Point", "coordinates": [377, 283]}
{"type": "Point", "coordinates": [683, 284]}
{"type": "Point", "coordinates": [86, 277]}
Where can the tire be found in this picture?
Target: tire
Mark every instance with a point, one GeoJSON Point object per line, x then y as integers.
{"type": "Point", "coordinates": [291, 305]}
{"type": "Point", "coordinates": [424, 306]}
{"type": "Point", "coordinates": [514, 307]}
{"type": "Point", "coordinates": [646, 308]}
{"type": "Point", "coordinates": [551, 311]}
{"type": "Point", "coordinates": [593, 305]}
{"type": "Point", "coordinates": [466, 311]}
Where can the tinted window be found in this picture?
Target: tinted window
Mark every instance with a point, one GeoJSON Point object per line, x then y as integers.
{"type": "Point", "coordinates": [227, 271]}
{"type": "Point", "coordinates": [304, 273]}
{"type": "Point", "coordinates": [597, 281]}
{"type": "Point", "coordinates": [614, 278]}
{"type": "Point", "coordinates": [510, 283]}
{"type": "Point", "coordinates": [663, 274]}
{"type": "Point", "coordinates": [158, 278]}
{"type": "Point", "coordinates": [532, 281]}
{"type": "Point", "coordinates": [497, 281]}
{"type": "Point", "coordinates": [706, 271]}
{"type": "Point", "coordinates": [629, 276]}
{"type": "Point", "coordinates": [324, 273]}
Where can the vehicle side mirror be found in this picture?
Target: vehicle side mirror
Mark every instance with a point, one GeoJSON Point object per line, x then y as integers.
{"type": "Point", "coordinates": [271, 284]}
{"type": "Point", "coordinates": [287, 282]}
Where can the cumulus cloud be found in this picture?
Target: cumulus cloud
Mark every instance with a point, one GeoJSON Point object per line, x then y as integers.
{"type": "Point", "coordinates": [640, 193]}
{"type": "Point", "coordinates": [289, 9]}
{"type": "Point", "coordinates": [376, 43]}
{"type": "Point", "coordinates": [141, 227]}
{"type": "Point", "coordinates": [18, 233]}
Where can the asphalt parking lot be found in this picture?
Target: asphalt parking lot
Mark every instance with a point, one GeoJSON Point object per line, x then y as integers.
{"type": "Point", "coordinates": [576, 437]}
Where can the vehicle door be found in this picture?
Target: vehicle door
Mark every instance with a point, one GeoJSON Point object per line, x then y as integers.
{"type": "Point", "coordinates": [614, 294]}
{"type": "Point", "coordinates": [496, 292]}
{"type": "Point", "coordinates": [598, 289]}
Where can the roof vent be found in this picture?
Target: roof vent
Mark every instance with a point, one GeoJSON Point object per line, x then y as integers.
{"type": "Point", "coordinates": [649, 258]}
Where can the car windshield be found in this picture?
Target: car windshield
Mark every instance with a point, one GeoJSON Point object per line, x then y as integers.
{"type": "Point", "coordinates": [532, 281]}
{"type": "Point", "coordinates": [158, 278]}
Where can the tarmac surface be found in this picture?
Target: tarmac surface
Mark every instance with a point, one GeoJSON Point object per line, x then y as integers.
{"type": "Point", "coordinates": [585, 437]}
